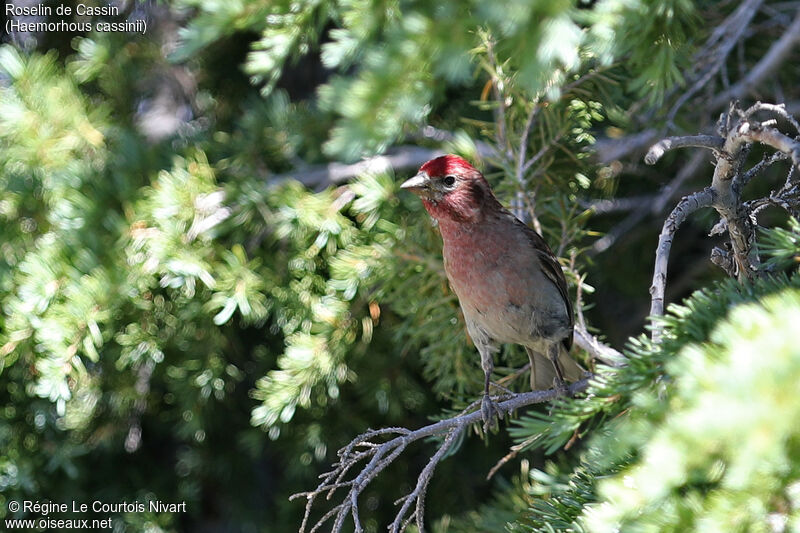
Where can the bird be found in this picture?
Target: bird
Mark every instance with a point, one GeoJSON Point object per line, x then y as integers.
{"type": "Point", "coordinates": [508, 282]}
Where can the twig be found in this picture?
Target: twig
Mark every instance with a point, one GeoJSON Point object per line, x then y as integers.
{"type": "Point", "coordinates": [754, 131]}
{"type": "Point", "coordinates": [776, 55]}
{"type": "Point", "coordinates": [779, 109]}
{"type": "Point", "coordinates": [523, 144]}
{"type": "Point", "coordinates": [379, 455]}
{"type": "Point", "coordinates": [756, 169]}
{"type": "Point", "coordinates": [701, 141]}
{"type": "Point", "coordinates": [607, 206]}
{"type": "Point", "coordinates": [717, 48]}
{"type": "Point", "coordinates": [320, 176]}
{"type": "Point", "coordinates": [514, 451]}
{"type": "Point", "coordinates": [397, 158]}
{"type": "Point", "coordinates": [656, 207]}
{"type": "Point", "coordinates": [513, 376]}
{"type": "Point", "coordinates": [598, 350]}
{"type": "Point", "coordinates": [685, 207]}
{"type": "Point", "coordinates": [608, 150]}
{"type": "Point", "coordinates": [520, 170]}
{"type": "Point", "coordinates": [418, 494]}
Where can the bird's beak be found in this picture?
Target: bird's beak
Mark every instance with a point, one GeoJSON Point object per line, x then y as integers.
{"type": "Point", "coordinates": [419, 185]}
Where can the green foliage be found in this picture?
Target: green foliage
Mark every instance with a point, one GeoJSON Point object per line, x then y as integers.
{"type": "Point", "coordinates": [334, 257]}
{"type": "Point", "coordinates": [179, 302]}
{"type": "Point", "coordinates": [673, 436]}
{"type": "Point", "coordinates": [782, 245]}
{"type": "Point", "coordinates": [394, 61]}
{"type": "Point", "coordinates": [721, 453]}
{"type": "Point", "coordinates": [164, 318]}
{"type": "Point", "coordinates": [656, 52]}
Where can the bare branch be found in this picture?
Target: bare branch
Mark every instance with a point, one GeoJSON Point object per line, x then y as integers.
{"type": "Point", "coordinates": [685, 207]}
{"type": "Point", "coordinates": [608, 150]}
{"type": "Point", "coordinates": [515, 449]}
{"type": "Point", "coordinates": [654, 207]}
{"type": "Point", "coordinates": [378, 455]}
{"type": "Point", "coordinates": [607, 206]}
{"type": "Point", "coordinates": [670, 143]}
{"type": "Point", "coordinates": [600, 351]}
{"type": "Point", "coordinates": [738, 132]}
{"type": "Point", "coordinates": [714, 53]}
{"type": "Point", "coordinates": [753, 131]}
{"type": "Point", "coordinates": [321, 176]}
{"type": "Point", "coordinates": [418, 494]}
{"type": "Point", "coordinates": [779, 110]}
{"type": "Point", "coordinates": [520, 171]}
{"type": "Point", "coordinates": [397, 158]}
{"type": "Point", "coordinates": [774, 57]}
{"type": "Point", "coordinates": [723, 258]}
{"type": "Point", "coordinates": [756, 169]}
{"type": "Point", "coordinates": [523, 143]}
{"type": "Point", "coordinates": [727, 201]}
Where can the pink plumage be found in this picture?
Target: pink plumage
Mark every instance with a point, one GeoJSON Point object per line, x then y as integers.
{"type": "Point", "coordinates": [508, 282]}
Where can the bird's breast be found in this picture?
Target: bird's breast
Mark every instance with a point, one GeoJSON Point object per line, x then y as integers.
{"type": "Point", "coordinates": [492, 289]}
{"type": "Point", "coordinates": [499, 282]}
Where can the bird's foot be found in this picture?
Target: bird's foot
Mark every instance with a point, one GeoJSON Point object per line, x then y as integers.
{"type": "Point", "coordinates": [490, 413]}
{"type": "Point", "coordinates": [560, 386]}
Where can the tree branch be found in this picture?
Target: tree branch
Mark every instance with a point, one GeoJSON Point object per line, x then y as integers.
{"type": "Point", "coordinates": [713, 55]}
{"type": "Point", "coordinates": [774, 57]}
{"type": "Point", "coordinates": [600, 351]}
{"type": "Point", "coordinates": [685, 207]}
{"type": "Point", "coordinates": [655, 207]}
{"type": "Point", "coordinates": [605, 206]}
{"type": "Point", "coordinates": [753, 131]}
{"type": "Point", "coordinates": [321, 176]}
{"type": "Point", "coordinates": [738, 132]}
{"type": "Point", "coordinates": [779, 109]}
{"type": "Point", "coordinates": [670, 143]}
{"type": "Point", "coordinates": [379, 455]}
{"type": "Point", "coordinates": [397, 158]}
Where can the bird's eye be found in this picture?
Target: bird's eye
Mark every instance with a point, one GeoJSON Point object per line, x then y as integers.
{"type": "Point", "coordinates": [449, 180]}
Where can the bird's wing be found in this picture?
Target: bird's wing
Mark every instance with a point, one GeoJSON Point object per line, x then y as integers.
{"type": "Point", "coordinates": [551, 269]}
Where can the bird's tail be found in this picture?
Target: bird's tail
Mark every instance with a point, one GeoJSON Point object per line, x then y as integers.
{"type": "Point", "coordinates": [542, 372]}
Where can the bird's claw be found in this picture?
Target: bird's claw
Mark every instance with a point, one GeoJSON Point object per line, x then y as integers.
{"type": "Point", "coordinates": [490, 413]}
{"type": "Point", "coordinates": [560, 387]}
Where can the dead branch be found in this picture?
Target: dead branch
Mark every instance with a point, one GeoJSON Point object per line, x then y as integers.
{"type": "Point", "coordinates": [685, 207]}
{"type": "Point", "coordinates": [738, 131]}
{"type": "Point", "coordinates": [321, 176]}
{"type": "Point", "coordinates": [779, 110]}
{"type": "Point", "coordinates": [607, 206]}
{"type": "Point", "coordinates": [655, 207]}
{"type": "Point", "coordinates": [727, 199]}
{"type": "Point", "coordinates": [712, 56]}
{"type": "Point", "coordinates": [701, 141]}
{"type": "Point", "coordinates": [598, 350]}
{"type": "Point", "coordinates": [397, 158]}
{"type": "Point", "coordinates": [755, 132]}
{"type": "Point", "coordinates": [758, 168]}
{"type": "Point", "coordinates": [376, 456]}
{"type": "Point", "coordinates": [775, 56]}
{"type": "Point", "coordinates": [608, 149]}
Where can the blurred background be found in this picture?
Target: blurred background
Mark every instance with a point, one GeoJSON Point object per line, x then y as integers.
{"type": "Point", "coordinates": [209, 284]}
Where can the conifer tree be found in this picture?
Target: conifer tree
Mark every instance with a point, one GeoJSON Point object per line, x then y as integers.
{"type": "Point", "coordinates": [210, 282]}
